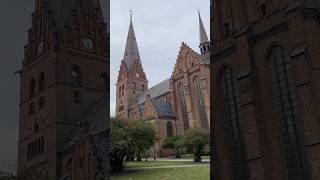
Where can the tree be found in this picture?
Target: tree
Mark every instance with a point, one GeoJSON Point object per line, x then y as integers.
{"type": "Point", "coordinates": [175, 143]}
{"type": "Point", "coordinates": [196, 140]}
{"type": "Point", "coordinates": [129, 137]}
{"type": "Point", "coordinates": [121, 145]}
{"type": "Point", "coordinates": [142, 135]}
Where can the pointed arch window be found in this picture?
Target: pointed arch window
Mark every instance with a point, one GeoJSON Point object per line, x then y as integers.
{"type": "Point", "coordinates": [185, 117]}
{"type": "Point", "coordinates": [76, 76]}
{"type": "Point", "coordinates": [42, 145]}
{"type": "Point", "coordinates": [32, 108]}
{"type": "Point", "coordinates": [32, 88]}
{"type": "Point", "coordinates": [169, 129]}
{"type": "Point", "coordinates": [232, 128]}
{"type": "Point", "coordinates": [200, 102]}
{"type": "Point", "coordinates": [41, 82]}
{"type": "Point", "coordinates": [285, 106]}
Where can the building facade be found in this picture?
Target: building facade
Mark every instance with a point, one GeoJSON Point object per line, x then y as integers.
{"type": "Point", "coordinates": [175, 105]}
{"type": "Point", "coordinates": [265, 93]}
{"type": "Point", "coordinates": [63, 79]}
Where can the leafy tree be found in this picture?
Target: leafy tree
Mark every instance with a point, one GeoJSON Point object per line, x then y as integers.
{"type": "Point", "coordinates": [128, 138]}
{"type": "Point", "coordinates": [121, 145]}
{"type": "Point", "coordinates": [142, 135]}
{"type": "Point", "coordinates": [196, 140]}
{"type": "Point", "coordinates": [175, 143]}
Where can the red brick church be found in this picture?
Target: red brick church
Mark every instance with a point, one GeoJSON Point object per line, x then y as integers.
{"type": "Point", "coordinates": [174, 105]}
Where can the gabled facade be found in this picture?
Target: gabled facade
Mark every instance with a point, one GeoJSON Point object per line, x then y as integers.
{"type": "Point", "coordinates": [64, 72]}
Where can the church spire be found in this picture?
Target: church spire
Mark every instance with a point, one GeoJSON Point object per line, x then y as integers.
{"type": "Point", "coordinates": [204, 41]}
{"type": "Point", "coordinates": [131, 52]}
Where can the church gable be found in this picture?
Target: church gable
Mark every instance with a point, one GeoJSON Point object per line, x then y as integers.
{"type": "Point", "coordinates": [186, 59]}
{"type": "Point", "coordinates": [76, 24]}
{"type": "Point", "coordinates": [85, 28]}
{"type": "Point", "coordinates": [135, 112]}
{"type": "Point", "coordinates": [149, 109]}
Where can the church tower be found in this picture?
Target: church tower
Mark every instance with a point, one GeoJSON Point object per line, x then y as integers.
{"type": "Point", "coordinates": [204, 41]}
{"type": "Point", "coordinates": [132, 80]}
{"type": "Point", "coordinates": [64, 72]}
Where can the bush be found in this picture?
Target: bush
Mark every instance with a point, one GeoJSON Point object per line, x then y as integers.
{"type": "Point", "coordinates": [128, 138]}
{"type": "Point", "coordinates": [196, 140]}
{"type": "Point", "coordinates": [175, 143]}
{"type": "Point", "coordinates": [120, 144]}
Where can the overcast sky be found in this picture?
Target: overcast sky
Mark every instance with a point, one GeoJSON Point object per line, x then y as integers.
{"type": "Point", "coordinates": [160, 26]}
{"type": "Point", "coordinates": [15, 19]}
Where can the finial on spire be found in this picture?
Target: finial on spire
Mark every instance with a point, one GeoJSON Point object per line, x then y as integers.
{"type": "Point", "coordinates": [130, 15]}
{"type": "Point", "coordinates": [198, 11]}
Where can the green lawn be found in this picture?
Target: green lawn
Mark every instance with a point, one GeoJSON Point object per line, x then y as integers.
{"type": "Point", "coordinates": [136, 171]}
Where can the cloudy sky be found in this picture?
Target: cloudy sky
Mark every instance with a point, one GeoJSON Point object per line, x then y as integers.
{"type": "Point", "coordinates": [160, 26]}
{"type": "Point", "coordinates": [15, 18]}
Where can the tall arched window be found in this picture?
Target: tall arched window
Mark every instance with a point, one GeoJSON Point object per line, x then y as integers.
{"type": "Point", "coordinates": [42, 145]}
{"type": "Point", "coordinates": [41, 82]}
{"type": "Point", "coordinates": [76, 76]}
{"type": "Point", "coordinates": [183, 104]}
{"type": "Point", "coordinates": [285, 106]}
{"type": "Point", "coordinates": [200, 102]}
{"type": "Point", "coordinates": [232, 128]}
{"type": "Point", "coordinates": [32, 88]}
{"type": "Point", "coordinates": [169, 129]}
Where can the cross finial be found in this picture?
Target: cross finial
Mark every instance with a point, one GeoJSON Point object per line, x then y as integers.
{"type": "Point", "coordinates": [198, 11]}
{"type": "Point", "coordinates": [130, 15]}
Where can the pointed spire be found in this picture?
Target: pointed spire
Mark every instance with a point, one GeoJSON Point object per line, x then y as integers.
{"type": "Point", "coordinates": [131, 52]}
{"type": "Point", "coordinates": [203, 34]}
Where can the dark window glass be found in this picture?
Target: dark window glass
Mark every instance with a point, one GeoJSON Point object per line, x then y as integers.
{"type": "Point", "coordinates": [41, 102]}
{"type": "Point", "coordinates": [200, 103]}
{"type": "Point", "coordinates": [226, 28]}
{"type": "Point", "coordinates": [32, 108]}
{"type": "Point", "coordinates": [182, 94]}
{"type": "Point", "coordinates": [41, 82]}
{"type": "Point", "coordinates": [32, 88]}
{"type": "Point", "coordinates": [284, 105]}
{"type": "Point", "coordinates": [77, 97]}
{"type": "Point", "coordinates": [231, 107]}
{"type": "Point", "coordinates": [42, 145]}
{"type": "Point", "coordinates": [169, 129]}
{"type": "Point", "coordinates": [76, 76]}
{"type": "Point", "coordinates": [263, 10]}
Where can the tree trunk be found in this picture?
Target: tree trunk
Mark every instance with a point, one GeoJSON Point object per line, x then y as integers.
{"type": "Point", "coordinates": [139, 157]}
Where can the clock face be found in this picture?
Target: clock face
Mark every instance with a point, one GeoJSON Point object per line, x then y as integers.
{"type": "Point", "coordinates": [137, 75]}
{"type": "Point", "coordinates": [87, 43]}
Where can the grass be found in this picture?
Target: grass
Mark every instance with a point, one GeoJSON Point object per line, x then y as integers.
{"type": "Point", "coordinates": [136, 171]}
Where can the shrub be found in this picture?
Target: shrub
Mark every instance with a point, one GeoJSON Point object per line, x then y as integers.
{"type": "Point", "coordinates": [196, 140]}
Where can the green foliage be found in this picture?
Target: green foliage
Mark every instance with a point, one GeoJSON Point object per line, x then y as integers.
{"type": "Point", "coordinates": [120, 144]}
{"type": "Point", "coordinates": [175, 143]}
{"type": "Point", "coordinates": [128, 138]}
{"type": "Point", "coordinates": [196, 140]}
{"type": "Point", "coordinates": [142, 135]}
